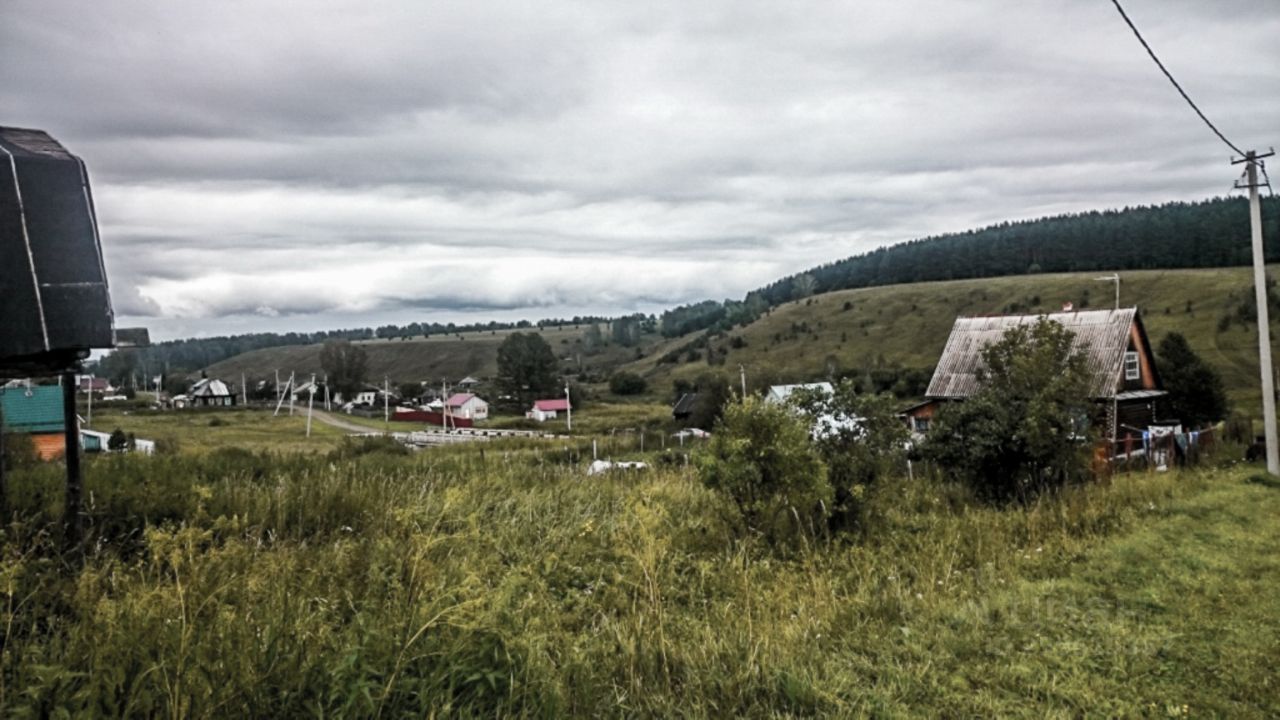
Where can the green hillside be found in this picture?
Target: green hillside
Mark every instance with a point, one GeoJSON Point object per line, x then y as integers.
{"type": "Point", "coordinates": [905, 326]}
{"type": "Point", "coordinates": [450, 357]}
{"type": "Point", "coordinates": [898, 328]}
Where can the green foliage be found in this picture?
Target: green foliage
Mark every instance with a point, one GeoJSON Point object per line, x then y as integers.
{"type": "Point", "coordinates": [713, 394]}
{"type": "Point", "coordinates": [526, 367]}
{"type": "Point", "coordinates": [1197, 395]}
{"type": "Point", "coordinates": [345, 366]}
{"type": "Point", "coordinates": [1026, 429]}
{"type": "Point", "coordinates": [499, 582]}
{"type": "Point", "coordinates": [761, 458]}
{"type": "Point", "coordinates": [118, 441]}
{"type": "Point", "coordinates": [19, 451]}
{"type": "Point", "coordinates": [860, 438]}
{"type": "Point", "coordinates": [627, 383]}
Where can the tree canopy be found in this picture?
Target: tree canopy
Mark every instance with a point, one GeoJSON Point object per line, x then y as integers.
{"type": "Point", "coordinates": [345, 366]}
{"type": "Point", "coordinates": [1026, 429]}
{"type": "Point", "coordinates": [527, 367]}
{"type": "Point", "coordinates": [1197, 396]}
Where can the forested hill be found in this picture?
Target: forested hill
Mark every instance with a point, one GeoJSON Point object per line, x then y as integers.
{"type": "Point", "coordinates": [1207, 234]}
{"type": "Point", "coordinates": [1211, 233]}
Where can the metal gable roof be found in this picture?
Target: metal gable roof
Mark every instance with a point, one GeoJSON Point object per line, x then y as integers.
{"type": "Point", "coordinates": [1101, 336]}
{"type": "Point", "coordinates": [37, 409]}
{"type": "Point", "coordinates": [51, 273]}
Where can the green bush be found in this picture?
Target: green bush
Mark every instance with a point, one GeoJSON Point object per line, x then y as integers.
{"type": "Point", "coordinates": [627, 383]}
{"type": "Point", "coordinates": [760, 456]}
{"type": "Point", "coordinates": [1026, 429]}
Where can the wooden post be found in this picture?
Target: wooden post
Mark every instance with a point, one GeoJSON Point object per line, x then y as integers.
{"type": "Point", "coordinates": [72, 523]}
{"type": "Point", "coordinates": [4, 487]}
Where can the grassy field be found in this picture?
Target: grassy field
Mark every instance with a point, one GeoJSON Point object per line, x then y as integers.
{"type": "Point", "coordinates": [438, 357]}
{"type": "Point", "coordinates": [907, 325]}
{"type": "Point", "coordinates": [363, 582]}
{"type": "Point", "coordinates": [201, 431]}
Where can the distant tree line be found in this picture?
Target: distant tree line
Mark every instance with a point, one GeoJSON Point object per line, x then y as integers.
{"type": "Point", "coordinates": [1210, 233]}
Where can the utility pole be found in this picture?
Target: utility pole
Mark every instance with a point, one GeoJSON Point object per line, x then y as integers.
{"type": "Point", "coordinates": [244, 392]}
{"type": "Point", "coordinates": [742, 373]}
{"type": "Point", "coordinates": [88, 422]}
{"type": "Point", "coordinates": [568, 409]}
{"type": "Point", "coordinates": [311, 399]}
{"type": "Point", "coordinates": [386, 402]}
{"type": "Point", "coordinates": [1251, 160]}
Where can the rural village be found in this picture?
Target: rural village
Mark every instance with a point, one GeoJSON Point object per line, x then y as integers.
{"type": "Point", "coordinates": [1023, 468]}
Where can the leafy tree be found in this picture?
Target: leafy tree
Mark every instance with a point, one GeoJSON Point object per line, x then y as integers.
{"type": "Point", "coordinates": [410, 390]}
{"type": "Point", "coordinates": [627, 383]}
{"type": "Point", "coordinates": [860, 438]}
{"type": "Point", "coordinates": [118, 441]}
{"type": "Point", "coordinates": [802, 286]}
{"type": "Point", "coordinates": [761, 457]}
{"type": "Point", "coordinates": [345, 365]}
{"type": "Point", "coordinates": [1197, 396]}
{"type": "Point", "coordinates": [1025, 430]}
{"type": "Point", "coordinates": [526, 367]}
{"type": "Point", "coordinates": [713, 394]}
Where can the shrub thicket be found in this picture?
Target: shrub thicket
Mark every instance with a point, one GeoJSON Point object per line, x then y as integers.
{"type": "Point", "coordinates": [761, 458]}
{"type": "Point", "coordinates": [1026, 429]}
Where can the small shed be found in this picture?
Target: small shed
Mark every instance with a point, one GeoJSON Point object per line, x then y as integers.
{"type": "Point", "coordinates": [544, 410]}
{"type": "Point", "coordinates": [683, 409]}
{"type": "Point", "coordinates": [36, 411]}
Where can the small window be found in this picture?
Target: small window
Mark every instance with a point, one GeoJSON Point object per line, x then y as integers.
{"type": "Point", "coordinates": [1131, 369]}
{"type": "Point", "coordinates": [922, 424]}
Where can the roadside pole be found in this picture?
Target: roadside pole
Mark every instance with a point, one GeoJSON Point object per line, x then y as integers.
{"type": "Point", "coordinates": [1251, 160]}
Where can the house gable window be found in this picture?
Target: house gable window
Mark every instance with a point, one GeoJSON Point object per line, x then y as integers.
{"type": "Point", "coordinates": [922, 424]}
{"type": "Point", "coordinates": [1132, 371]}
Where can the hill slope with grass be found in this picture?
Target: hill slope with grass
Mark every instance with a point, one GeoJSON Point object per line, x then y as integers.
{"type": "Point", "coordinates": [897, 332]}
{"type": "Point", "coordinates": [438, 357]}
{"type": "Point", "coordinates": [889, 336]}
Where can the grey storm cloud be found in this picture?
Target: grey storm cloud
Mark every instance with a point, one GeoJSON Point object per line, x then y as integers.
{"type": "Point", "coordinates": [270, 165]}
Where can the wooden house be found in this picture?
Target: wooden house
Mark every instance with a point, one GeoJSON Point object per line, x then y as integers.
{"type": "Point", "coordinates": [211, 393]}
{"type": "Point", "coordinates": [1117, 354]}
{"type": "Point", "coordinates": [35, 411]}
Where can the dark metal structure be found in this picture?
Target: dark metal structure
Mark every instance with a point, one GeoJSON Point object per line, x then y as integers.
{"type": "Point", "coordinates": [54, 305]}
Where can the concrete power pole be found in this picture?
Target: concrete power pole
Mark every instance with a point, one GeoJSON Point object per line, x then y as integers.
{"type": "Point", "coordinates": [568, 409]}
{"type": "Point", "coordinates": [742, 373]}
{"type": "Point", "coordinates": [1251, 160]}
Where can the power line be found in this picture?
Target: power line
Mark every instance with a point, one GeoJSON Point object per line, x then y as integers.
{"type": "Point", "coordinates": [1169, 75]}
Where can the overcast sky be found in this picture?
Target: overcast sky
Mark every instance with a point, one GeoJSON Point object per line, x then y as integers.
{"type": "Point", "coordinates": [273, 166]}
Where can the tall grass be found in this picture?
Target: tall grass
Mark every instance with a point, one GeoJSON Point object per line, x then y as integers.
{"type": "Point", "coordinates": [367, 583]}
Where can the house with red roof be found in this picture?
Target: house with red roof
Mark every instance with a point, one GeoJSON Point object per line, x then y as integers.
{"type": "Point", "coordinates": [544, 410]}
{"type": "Point", "coordinates": [468, 406]}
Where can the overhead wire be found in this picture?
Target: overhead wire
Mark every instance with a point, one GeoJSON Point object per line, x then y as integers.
{"type": "Point", "coordinates": [1169, 75]}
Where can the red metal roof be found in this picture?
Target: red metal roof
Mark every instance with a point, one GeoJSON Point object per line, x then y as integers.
{"type": "Point", "coordinates": [548, 405]}
{"type": "Point", "coordinates": [459, 399]}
